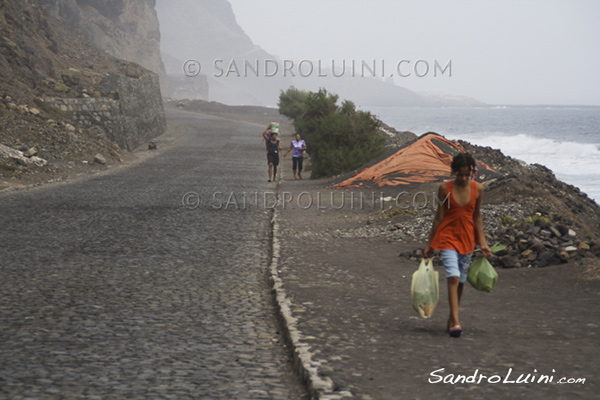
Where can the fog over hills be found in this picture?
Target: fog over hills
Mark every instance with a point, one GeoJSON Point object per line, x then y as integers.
{"type": "Point", "coordinates": [126, 29]}
{"type": "Point", "coordinates": [206, 31]}
{"type": "Point", "coordinates": [238, 71]}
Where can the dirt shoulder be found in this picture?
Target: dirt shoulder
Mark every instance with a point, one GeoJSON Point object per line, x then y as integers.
{"type": "Point", "coordinates": [20, 177]}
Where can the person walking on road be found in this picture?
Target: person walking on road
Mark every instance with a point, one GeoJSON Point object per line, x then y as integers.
{"type": "Point", "coordinates": [457, 228]}
{"type": "Point", "coordinates": [299, 146]}
{"type": "Point", "coordinates": [273, 148]}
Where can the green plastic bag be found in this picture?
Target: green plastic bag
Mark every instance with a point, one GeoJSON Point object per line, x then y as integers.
{"type": "Point", "coordinates": [481, 275]}
{"type": "Point", "coordinates": [425, 289]}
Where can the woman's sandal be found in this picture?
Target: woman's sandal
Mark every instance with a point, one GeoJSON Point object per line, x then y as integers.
{"type": "Point", "coordinates": [455, 331]}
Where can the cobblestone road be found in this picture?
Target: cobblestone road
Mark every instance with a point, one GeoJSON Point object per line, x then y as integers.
{"type": "Point", "coordinates": [111, 288]}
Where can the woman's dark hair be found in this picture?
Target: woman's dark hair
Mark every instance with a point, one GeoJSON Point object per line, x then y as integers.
{"type": "Point", "coordinates": [462, 160]}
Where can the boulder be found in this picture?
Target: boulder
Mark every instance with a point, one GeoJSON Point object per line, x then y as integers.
{"type": "Point", "coordinates": [71, 77]}
{"type": "Point", "coordinates": [545, 233]}
{"type": "Point", "coordinates": [526, 253]}
{"type": "Point", "coordinates": [99, 158]}
{"type": "Point", "coordinates": [133, 70]}
{"type": "Point", "coordinates": [545, 258]}
{"type": "Point", "coordinates": [510, 262]}
{"type": "Point", "coordinates": [538, 247]}
{"type": "Point", "coordinates": [583, 247]}
{"type": "Point", "coordinates": [555, 231]}
{"type": "Point", "coordinates": [30, 152]}
{"type": "Point", "coordinates": [18, 157]}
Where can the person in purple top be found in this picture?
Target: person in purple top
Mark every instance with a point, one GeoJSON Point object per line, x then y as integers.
{"type": "Point", "coordinates": [298, 145]}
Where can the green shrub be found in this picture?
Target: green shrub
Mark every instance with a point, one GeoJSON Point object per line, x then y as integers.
{"type": "Point", "coordinates": [538, 220]}
{"type": "Point", "coordinates": [339, 138]}
{"type": "Point", "coordinates": [291, 103]}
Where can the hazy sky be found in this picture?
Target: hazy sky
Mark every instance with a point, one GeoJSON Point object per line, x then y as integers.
{"type": "Point", "coordinates": [501, 51]}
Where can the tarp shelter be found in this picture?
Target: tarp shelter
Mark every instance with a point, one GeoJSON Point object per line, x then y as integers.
{"type": "Point", "coordinates": [426, 160]}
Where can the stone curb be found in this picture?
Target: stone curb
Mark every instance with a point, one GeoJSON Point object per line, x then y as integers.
{"type": "Point", "coordinates": [320, 388]}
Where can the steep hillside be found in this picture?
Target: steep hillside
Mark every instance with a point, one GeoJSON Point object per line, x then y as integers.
{"type": "Point", "coordinates": [64, 100]}
{"type": "Point", "coordinates": [127, 29]}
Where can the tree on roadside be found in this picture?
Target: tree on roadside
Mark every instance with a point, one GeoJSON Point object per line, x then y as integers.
{"type": "Point", "coordinates": [340, 138]}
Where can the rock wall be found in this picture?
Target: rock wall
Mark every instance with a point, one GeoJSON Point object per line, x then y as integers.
{"type": "Point", "coordinates": [127, 104]}
{"type": "Point", "coordinates": [141, 108]}
{"type": "Point", "coordinates": [130, 112]}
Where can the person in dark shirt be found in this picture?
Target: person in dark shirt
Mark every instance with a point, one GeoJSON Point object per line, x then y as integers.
{"type": "Point", "coordinates": [273, 148]}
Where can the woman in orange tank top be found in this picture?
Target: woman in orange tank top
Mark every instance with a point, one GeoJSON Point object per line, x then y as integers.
{"type": "Point", "coordinates": [457, 228]}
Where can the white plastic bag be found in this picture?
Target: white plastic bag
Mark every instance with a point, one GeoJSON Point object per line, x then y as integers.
{"type": "Point", "coordinates": [425, 289]}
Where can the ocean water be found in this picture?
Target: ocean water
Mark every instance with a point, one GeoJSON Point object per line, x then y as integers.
{"type": "Point", "coordinates": [564, 139]}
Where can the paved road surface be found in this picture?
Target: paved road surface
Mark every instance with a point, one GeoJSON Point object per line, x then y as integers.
{"type": "Point", "coordinates": [111, 288]}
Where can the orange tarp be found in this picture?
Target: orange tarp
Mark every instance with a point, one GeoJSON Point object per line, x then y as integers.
{"type": "Point", "coordinates": [420, 162]}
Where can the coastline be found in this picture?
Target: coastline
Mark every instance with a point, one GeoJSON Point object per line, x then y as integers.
{"type": "Point", "coordinates": [566, 140]}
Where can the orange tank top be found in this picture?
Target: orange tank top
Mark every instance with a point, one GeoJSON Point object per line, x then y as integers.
{"type": "Point", "coordinates": [457, 230]}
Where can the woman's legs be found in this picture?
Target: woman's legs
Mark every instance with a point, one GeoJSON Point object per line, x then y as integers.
{"type": "Point", "coordinates": [294, 166]}
{"type": "Point", "coordinates": [275, 165]}
{"type": "Point", "coordinates": [270, 170]}
{"type": "Point", "coordinates": [456, 266]}
{"type": "Point", "coordinates": [455, 289]}
{"type": "Point", "coordinates": [300, 161]}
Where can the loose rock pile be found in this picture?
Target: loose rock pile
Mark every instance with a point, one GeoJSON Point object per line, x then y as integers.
{"type": "Point", "coordinates": [20, 157]}
{"type": "Point", "coordinates": [415, 225]}
{"type": "Point", "coordinates": [540, 244]}
{"type": "Point", "coordinates": [530, 241]}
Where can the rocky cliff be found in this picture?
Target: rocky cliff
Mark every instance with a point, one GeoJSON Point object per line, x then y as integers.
{"type": "Point", "coordinates": [64, 100]}
{"type": "Point", "coordinates": [127, 29]}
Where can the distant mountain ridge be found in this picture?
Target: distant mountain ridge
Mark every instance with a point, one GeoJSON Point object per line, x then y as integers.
{"type": "Point", "coordinates": [206, 31]}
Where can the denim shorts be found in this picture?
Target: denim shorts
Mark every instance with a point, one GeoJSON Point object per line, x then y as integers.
{"type": "Point", "coordinates": [456, 264]}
